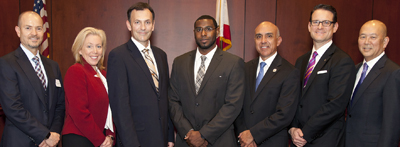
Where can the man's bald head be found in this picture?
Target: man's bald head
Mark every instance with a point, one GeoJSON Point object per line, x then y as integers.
{"type": "Point", "coordinates": [373, 39]}
{"type": "Point", "coordinates": [378, 25]}
{"type": "Point", "coordinates": [30, 30]}
{"type": "Point", "coordinates": [267, 39]}
{"type": "Point", "coordinates": [28, 14]}
{"type": "Point", "coordinates": [270, 25]}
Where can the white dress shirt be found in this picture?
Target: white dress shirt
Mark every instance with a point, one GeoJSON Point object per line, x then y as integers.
{"type": "Point", "coordinates": [109, 123]}
{"type": "Point", "coordinates": [197, 61]}
{"type": "Point", "coordinates": [320, 52]}
{"type": "Point", "coordinates": [268, 63]}
{"type": "Point", "coordinates": [30, 55]}
{"type": "Point", "coordinates": [141, 47]}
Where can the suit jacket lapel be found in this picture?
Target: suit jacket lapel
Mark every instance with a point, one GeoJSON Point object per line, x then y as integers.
{"type": "Point", "coordinates": [272, 70]}
{"type": "Point", "coordinates": [321, 63]}
{"type": "Point", "coordinates": [371, 76]}
{"type": "Point", "coordinates": [30, 73]}
{"type": "Point", "coordinates": [190, 71]}
{"type": "Point", "coordinates": [212, 67]}
{"type": "Point", "coordinates": [137, 56]}
{"type": "Point", "coordinates": [252, 77]}
{"type": "Point", "coordinates": [50, 79]}
{"type": "Point", "coordinates": [158, 60]}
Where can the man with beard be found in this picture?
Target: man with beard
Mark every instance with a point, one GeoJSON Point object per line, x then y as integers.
{"type": "Point", "coordinates": [138, 80]}
{"type": "Point", "coordinates": [207, 90]}
{"type": "Point", "coordinates": [31, 91]}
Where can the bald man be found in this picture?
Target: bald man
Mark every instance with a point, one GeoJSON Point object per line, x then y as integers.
{"type": "Point", "coordinates": [272, 92]}
{"type": "Point", "coordinates": [374, 110]}
{"type": "Point", "coordinates": [31, 91]}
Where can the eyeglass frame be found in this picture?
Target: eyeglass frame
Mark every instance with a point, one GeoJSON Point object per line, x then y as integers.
{"type": "Point", "coordinates": [322, 22]}
{"type": "Point", "coordinates": [207, 29]}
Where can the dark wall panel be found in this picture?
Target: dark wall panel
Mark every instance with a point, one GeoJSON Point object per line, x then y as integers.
{"type": "Point", "coordinates": [293, 17]}
{"type": "Point", "coordinates": [257, 11]}
{"type": "Point", "coordinates": [175, 19]}
{"type": "Point", "coordinates": [388, 12]}
{"type": "Point", "coordinates": [9, 18]}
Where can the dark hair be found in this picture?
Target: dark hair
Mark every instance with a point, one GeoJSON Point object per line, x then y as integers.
{"type": "Point", "coordinates": [327, 8]}
{"type": "Point", "coordinates": [207, 17]}
{"type": "Point", "coordinates": [140, 6]}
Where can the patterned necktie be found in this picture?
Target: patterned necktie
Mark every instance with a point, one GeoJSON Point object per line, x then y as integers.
{"type": "Point", "coordinates": [151, 66]}
{"type": "Point", "coordinates": [310, 68]}
{"type": "Point", "coordinates": [260, 74]}
{"type": "Point", "coordinates": [363, 74]}
{"type": "Point", "coordinates": [200, 73]}
{"type": "Point", "coordinates": [39, 72]}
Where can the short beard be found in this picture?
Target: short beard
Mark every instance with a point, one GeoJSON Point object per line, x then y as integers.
{"type": "Point", "coordinates": [199, 44]}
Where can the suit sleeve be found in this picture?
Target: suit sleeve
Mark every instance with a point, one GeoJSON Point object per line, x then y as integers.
{"type": "Point", "coordinates": [77, 105]}
{"type": "Point", "coordinates": [390, 134]}
{"type": "Point", "coordinates": [59, 115]}
{"type": "Point", "coordinates": [340, 88]}
{"type": "Point", "coordinates": [285, 110]}
{"type": "Point", "coordinates": [118, 94]}
{"type": "Point", "coordinates": [234, 96]}
{"type": "Point", "coordinates": [14, 107]}
{"type": "Point", "coordinates": [182, 125]}
{"type": "Point", "coordinates": [240, 124]}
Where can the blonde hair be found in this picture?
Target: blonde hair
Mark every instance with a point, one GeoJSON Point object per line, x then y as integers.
{"type": "Point", "coordinates": [80, 39]}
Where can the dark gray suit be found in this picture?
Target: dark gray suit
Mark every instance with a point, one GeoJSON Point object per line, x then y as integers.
{"type": "Point", "coordinates": [31, 111]}
{"type": "Point", "coordinates": [373, 119]}
{"type": "Point", "coordinates": [139, 112]}
{"type": "Point", "coordinates": [320, 114]}
{"type": "Point", "coordinates": [218, 102]}
{"type": "Point", "coordinates": [268, 111]}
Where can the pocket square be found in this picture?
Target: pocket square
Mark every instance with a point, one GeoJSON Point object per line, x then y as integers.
{"type": "Point", "coordinates": [322, 72]}
{"type": "Point", "coordinates": [58, 83]}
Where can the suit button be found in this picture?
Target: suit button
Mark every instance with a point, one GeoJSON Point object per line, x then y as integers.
{"type": "Point", "coordinates": [251, 111]}
{"type": "Point", "coordinates": [197, 104]}
{"type": "Point", "coordinates": [301, 106]}
{"type": "Point", "coordinates": [198, 126]}
{"type": "Point", "coordinates": [349, 116]}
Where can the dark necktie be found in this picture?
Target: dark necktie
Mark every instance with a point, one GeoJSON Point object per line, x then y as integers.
{"type": "Point", "coordinates": [310, 68]}
{"type": "Point", "coordinates": [39, 72]}
{"type": "Point", "coordinates": [364, 72]}
{"type": "Point", "coordinates": [200, 74]}
{"type": "Point", "coordinates": [260, 74]}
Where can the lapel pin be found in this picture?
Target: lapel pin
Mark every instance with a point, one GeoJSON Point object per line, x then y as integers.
{"type": "Point", "coordinates": [325, 60]}
{"type": "Point", "coordinates": [274, 70]}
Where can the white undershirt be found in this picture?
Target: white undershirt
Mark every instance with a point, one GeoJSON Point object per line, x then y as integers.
{"type": "Point", "coordinates": [109, 122]}
{"type": "Point", "coordinates": [197, 60]}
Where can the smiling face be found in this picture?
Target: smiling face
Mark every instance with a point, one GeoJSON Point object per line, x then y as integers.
{"type": "Point", "coordinates": [320, 34]}
{"type": "Point", "coordinates": [30, 31]}
{"type": "Point", "coordinates": [92, 50]}
{"type": "Point", "coordinates": [267, 39]}
{"type": "Point", "coordinates": [207, 36]}
{"type": "Point", "coordinates": [372, 40]}
{"type": "Point", "coordinates": [141, 25]}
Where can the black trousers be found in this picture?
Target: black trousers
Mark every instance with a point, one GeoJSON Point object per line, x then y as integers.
{"type": "Point", "coordinates": [73, 140]}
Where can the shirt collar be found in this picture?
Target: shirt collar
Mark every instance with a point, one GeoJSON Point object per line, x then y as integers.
{"type": "Point", "coordinates": [372, 62]}
{"type": "Point", "coordinates": [322, 49]}
{"type": "Point", "coordinates": [29, 53]}
{"type": "Point", "coordinates": [269, 60]}
{"type": "Point", "coordinates": [139, 45]}
{"type": "Point", "coordinates": [209, 54]}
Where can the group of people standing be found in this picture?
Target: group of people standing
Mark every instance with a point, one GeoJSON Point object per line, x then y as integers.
{"type": "Point", "coordinates": [212, 97]}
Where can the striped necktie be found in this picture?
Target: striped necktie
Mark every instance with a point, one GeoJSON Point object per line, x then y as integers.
{"type": "Point", "coordinates": [310, 68]}
{"type": "Point", "coordinates": [152, 68]}
{"type": "Point", "coordinates": [39, 72]}
{"type": "Point", "coordinates": [200, 73]}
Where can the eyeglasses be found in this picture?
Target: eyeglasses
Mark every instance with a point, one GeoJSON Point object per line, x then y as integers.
{"type": "Point", "coordinates": [325, 23]}
{"type": "Point", "coordinates": [207, 29]}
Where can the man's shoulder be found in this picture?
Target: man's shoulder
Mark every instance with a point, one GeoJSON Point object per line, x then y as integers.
{"type": "Point", "coordinates": [230, 56]}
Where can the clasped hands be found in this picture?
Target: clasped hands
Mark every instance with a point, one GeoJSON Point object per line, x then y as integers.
{"type": "Point", "coordinates": [52, 141]}
{"type": "Point", "coordinates": [193, 139]}
{"type": "Point", "coordinates": [297, 137]}
{"type": "Point", "coordinates": [246, 139]}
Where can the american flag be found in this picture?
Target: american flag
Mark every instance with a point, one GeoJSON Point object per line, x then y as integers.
{"type": "Point", "coordinates": [39, 6]}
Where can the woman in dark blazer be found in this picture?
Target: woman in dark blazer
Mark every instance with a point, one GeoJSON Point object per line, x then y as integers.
{"type": "Point", "coordinates": [88, 120]}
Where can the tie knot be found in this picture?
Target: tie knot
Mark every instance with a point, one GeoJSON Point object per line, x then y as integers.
{"type": "Point", "coordinates": [262, 64]}
{"type": "Point", "coordinates": [365, 66]}
{"type": "Point", "coordinates": [203, 58]}
{"type": "Point", "coordinates": [145, 51]}
{"type": "Point", "coordinates": [315, 54]}
{"type": "Point", "coordinates": [35, 59]}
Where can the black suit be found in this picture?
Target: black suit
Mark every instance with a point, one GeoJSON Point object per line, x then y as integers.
{"type": "Point", "coordinates": [374, 117]}
{"type": "Point", "coordinates": [219, 100]}
{"type": "Point", "coordinates": [140, 113]}
{"type": "Point", "coordinates": [32, 112]}
{"type": "Point", "coordinates": [320, 114]}
{"type": "Point", "coordinates": [268, 111]}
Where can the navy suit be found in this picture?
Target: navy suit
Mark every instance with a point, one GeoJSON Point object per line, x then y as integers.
{"type": "Point", "coordinates": [32, 112]}
{"type": "Point", "coordinates": [374, 117]}
{"type": "Point", "coordinates": [320, 114]}
{"type": "Point", "coordinates": [140, 113]}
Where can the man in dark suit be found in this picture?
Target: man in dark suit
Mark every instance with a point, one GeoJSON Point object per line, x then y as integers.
{"type": "Point", "coordinates": [31, 91]}
{"type": "Point", "coordinates": [374, 112]}
{"type": "Point", "coordinates": [272, 92]}
{"type": "Point", "coordinates": [207, 90]}
{"type": "Point", "coordinates": [138, 80]}
{"type": "Point", "coordinates": [327, 76]}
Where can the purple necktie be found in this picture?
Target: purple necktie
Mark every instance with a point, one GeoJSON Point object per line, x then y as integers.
{"type": "Point", "coordinates": [310, 68]}
{"type": "Point", "coordinates": [364, 72]}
